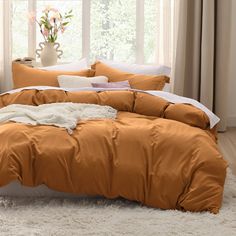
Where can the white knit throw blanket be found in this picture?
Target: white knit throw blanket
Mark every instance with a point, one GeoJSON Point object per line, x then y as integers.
{"type": "Point", "coordinates": [65, 115]}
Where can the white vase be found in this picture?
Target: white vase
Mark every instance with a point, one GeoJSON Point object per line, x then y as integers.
{"type": "Point", "coordinates": [48, 53]}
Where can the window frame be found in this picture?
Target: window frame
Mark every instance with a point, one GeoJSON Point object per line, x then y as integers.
{"type": "Point", "coordinates": [86, 31]}
{"type": "Point", "coordinates": [86, 17]}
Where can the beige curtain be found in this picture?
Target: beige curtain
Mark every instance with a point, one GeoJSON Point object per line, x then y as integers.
{"type": "Point", "coordinates": [5, 46]}
{"type": "Point", "coordinates": [165, 25]}
{"type": "Point", "coordinates": [1, 44]}
{"type": "Point", "coordinates": [202, 54]}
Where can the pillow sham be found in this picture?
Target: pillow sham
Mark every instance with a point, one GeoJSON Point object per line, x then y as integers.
{"type": "Point", "coordinates": [142, 82]}
{"type": "Point", "coordinates": [66, 81]}
{"type": "Point", "coordinates": [138, 68]}
{"type": "Point", "coordinates": [24, 76]}
{"type": "Point", "coordinates": [122, 84]}
{"type": "Point", "coordinates": [74, 66]}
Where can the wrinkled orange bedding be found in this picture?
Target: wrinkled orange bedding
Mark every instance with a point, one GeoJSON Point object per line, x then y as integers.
{"type": "Point", "coordinates": [162, 155]}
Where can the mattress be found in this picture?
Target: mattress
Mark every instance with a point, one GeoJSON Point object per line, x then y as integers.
{"type": "Point", "coordinates": [15, 189]}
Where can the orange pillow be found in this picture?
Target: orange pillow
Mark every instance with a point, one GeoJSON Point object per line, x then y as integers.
{"type": "Point", "coordinates": [187, 114]}
{"type": "Point", "coordinates": [143, 82]}
{"type": "Point", "coordinates": [24, 76]}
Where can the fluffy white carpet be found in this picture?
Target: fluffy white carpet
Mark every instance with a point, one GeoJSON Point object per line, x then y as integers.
{"type": "Point", "coordinates": [97, 216]}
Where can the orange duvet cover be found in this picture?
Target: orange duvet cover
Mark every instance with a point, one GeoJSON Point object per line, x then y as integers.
{"type": "Point", "coordinates": [160, 154]}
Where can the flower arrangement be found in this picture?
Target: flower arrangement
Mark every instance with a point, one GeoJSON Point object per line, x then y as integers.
{"type": "Point", "coordinates": [52, 22]}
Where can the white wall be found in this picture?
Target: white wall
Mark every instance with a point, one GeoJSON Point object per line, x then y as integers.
{"type": "Point", "coordinates": [232, 81]}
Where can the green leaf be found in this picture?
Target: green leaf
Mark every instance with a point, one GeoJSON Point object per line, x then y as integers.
{"type": "Point", "coordinates": [68, 16]}
{"type": "Point", "coordinates": [47, 26]}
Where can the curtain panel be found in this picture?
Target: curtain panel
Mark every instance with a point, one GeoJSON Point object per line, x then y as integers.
{"type": "Point", "coordinates": [1, 45]}
{"type": "Point", "coordinates": [5, 46]}
{"type": "Point", "coordinates": [202, 57]}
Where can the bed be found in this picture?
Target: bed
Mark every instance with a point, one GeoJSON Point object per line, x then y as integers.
{"type": "Point", "coordinates": [158, 151]}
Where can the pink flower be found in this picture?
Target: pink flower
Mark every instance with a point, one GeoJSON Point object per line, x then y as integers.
{"type": "Point", "coordinates": [47, 9]}
{"type": "Point", "coordinates": [56, 15]}
{"type": "Point", "coordinates": [32, 16]}
{"type": "Point", "coordinates": [54, 10]}
{"type": "Point", "coordinates": [45, 32]}
{"type": "Point", "coordinates": [63, 29]}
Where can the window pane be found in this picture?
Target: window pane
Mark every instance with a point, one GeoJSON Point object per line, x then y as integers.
{"type": "Point", "coordinates": [19, 28]}
{"type": "Point", "coordinates": [113, 29]}
{"type": "Point", "coordinates": [71, 40]}
{"type": "Point", "coordinates": [151, 12]}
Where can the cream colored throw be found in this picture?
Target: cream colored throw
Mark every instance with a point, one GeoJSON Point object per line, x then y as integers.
{"type": "Point", "coordinates": [64, 115]}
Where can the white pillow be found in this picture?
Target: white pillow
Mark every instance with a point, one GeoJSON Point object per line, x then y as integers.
{"type": "Point", "coordinates": [138, 69]}
{"type": "Point", "coordinates": [167, 88]}
{"type": "Point", "coordinates": [74, 66]}
{"type": "Point", "coordinates": [71, 81]}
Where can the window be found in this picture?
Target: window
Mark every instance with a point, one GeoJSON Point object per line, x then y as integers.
{"type": "Point", "coordinates": [136, 31]}
{"type": "Point", "coordinates": [113, 29]}
{"type": "Point", "coordinates": [19, 30]}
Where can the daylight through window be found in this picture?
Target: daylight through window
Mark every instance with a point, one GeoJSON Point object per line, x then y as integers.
{"type": "Point", "coordinates": [136, 31]}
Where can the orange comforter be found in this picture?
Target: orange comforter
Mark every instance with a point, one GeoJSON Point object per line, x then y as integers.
{"type": "Point", "coordinates": [162, 155]}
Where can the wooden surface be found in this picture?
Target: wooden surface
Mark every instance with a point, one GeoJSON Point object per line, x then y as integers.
{"type": "Point", "coordinates": [227, 144]}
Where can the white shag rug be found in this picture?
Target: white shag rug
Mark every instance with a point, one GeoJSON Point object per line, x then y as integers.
{"type": "Point", "coordinates": [98, 216]}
